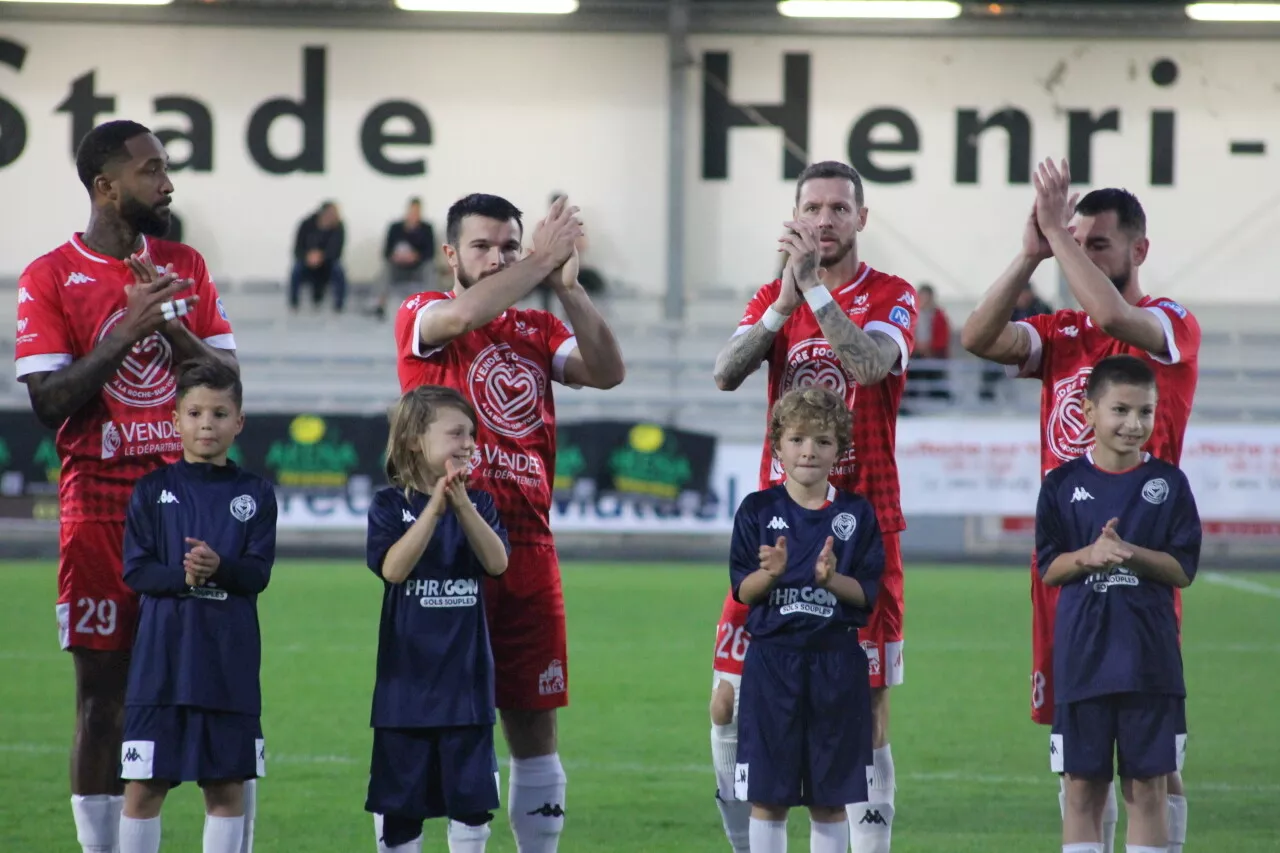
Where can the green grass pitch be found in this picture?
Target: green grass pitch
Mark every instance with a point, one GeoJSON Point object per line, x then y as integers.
{"type": "Point", "coordinates": [972, 770]}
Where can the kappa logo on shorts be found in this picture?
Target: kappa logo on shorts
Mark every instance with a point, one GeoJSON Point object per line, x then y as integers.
{"type": "Point", "coordinates": [131, 754]}
{"type": "Point", "coordinates": [136, 757]}
{"type": "Point", "coordinates": [740, 775]}
{"type": "Point", "coordinates": [552, 679]}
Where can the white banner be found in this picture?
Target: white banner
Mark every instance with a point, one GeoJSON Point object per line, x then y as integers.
{"type": "Point", "coordinates": [946, 466]}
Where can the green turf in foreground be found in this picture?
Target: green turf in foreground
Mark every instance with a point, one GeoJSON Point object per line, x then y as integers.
{"type": "Point", "coordinates": [972, 771]}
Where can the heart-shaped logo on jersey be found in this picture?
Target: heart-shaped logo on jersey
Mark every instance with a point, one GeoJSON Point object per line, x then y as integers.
{"type": "Point", "coordinates": [145, 377]}
{"type": "Point", "coordinates": [1067, 432]}
{"type": "Point", "coordinates": [508, 390]}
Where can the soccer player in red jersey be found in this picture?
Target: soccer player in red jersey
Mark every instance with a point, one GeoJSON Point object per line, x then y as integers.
{"type": "Point", "coordinates": [101, 320]}
{"type": "Point", "coordinates": [1100, 253]}
{"type": "Point", "coordinates": [830, 320]}
{"type": "Point", "coordinates": [503, 360]}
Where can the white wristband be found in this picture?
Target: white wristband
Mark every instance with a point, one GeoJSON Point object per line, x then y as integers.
{"type": "Point", "coordinates": [773, 320]}
{"type": "Point", "coordinates": [817, 297]}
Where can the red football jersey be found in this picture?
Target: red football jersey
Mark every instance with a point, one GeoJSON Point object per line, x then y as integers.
{"type": "Point", "coordinates": [1065, 345]}
{"type": "Point", "coordinates": [505, 370]}
{"type": "Point", "coordinates": [68, 300]}
{"type": "Point", "coordinates": [801, 356]}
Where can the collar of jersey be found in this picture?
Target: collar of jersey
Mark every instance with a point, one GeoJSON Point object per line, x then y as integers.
{"type": "Point", "coordinates": [77, 241]}
{"type": "Point", "coordinates": [207, 470]}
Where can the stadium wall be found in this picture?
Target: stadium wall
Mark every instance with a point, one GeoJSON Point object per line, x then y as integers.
{"type": "Point", "coordinates": [264, 124]}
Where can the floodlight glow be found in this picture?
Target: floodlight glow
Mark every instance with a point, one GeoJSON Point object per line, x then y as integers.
{"type": "Point", "coordinates": [523, 7]}
{"type": "Point", "coordinates": [1233, 11]}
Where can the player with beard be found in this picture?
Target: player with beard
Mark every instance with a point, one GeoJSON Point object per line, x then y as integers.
{"type": "Point", "coordinates": [1100, 252]}
{"type": "Point", "coordinates": [503, 360]}
{"type": "Point", "coordinates": [100, 321]}
{"type": "Point", "coordinates": [830, 320]}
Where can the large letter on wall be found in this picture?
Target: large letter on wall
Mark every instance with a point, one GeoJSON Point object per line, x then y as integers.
{"type": "Point", "coordinates": [719, 114]}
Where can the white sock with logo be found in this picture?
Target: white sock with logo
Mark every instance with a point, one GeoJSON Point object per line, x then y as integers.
{"type": "Point", "coordinates": [768, 836]}
{"type": "Point", "coordinates": [97, 819]}
{"type": "Point", "coordinates": [828, 837]}
{"type": "Point", "coordinates": [871, 823]}
{"type": "Point", "coordinates": [535, 803]}
{"type": "Point", "coordinates": [735, 814]}
{"type": "Point", "coordinates": [1177, 822]}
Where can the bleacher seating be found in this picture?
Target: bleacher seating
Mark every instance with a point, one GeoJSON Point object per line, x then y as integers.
{"type": "Point", "coordinates": [319, 361]}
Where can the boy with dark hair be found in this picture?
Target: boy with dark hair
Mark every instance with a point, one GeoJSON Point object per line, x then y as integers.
{"type": "Point", "coordinates": [199, 545]}
{"type": "Point", "coordinates": [1117, 531]}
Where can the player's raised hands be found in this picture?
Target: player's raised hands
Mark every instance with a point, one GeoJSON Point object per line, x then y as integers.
{"type": "Point", "coordinates": [789, 294]}
{"type": "Point", "coordinates": [826, 565]}
{"type": "Point", "coordinates": [152, 301]}
{"type": "Point", "coordinates": [1054, 200]}
{"type": "Point", "coordinates": [442, 495]}
{"type": "Point", "coordinates": [800, 241]}
{"type": "Point", "coordinates": [200, 563]}
{"type": "Point", "coordinates": [556, 236]}
{"type": "Point", "coordinates": [773, 558]}
{"type": "Point", "coordinates": [1108, 551]}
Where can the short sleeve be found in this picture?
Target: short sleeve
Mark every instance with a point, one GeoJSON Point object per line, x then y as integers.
{"type": "Point", "coordinates": [1185, 532]}
{"type": "Point", "coordinates": [559, 341]}
{"type": "Point", "coordinates": [1040, 327]}
{"type": "Point", "coordinates": [210, 323]}
{"type": "Point", "coordinates": [868, 562]}
{"type": "Point", "coordinates": [892, 312]}
{"type": "Point", "coordinates": [386, 528]}
{"type": "Point", "coordinates": [1181, 332]}
{"type": "Point", "coordinates": [759, 304]}
{"type": "Point", "coordinates": [409, 326]}
{"type": "Point", "coordinates": [1050, 537]}
{"type": "Point", "coordinates": [744, 548]}
{"type": "Point", "coordinates": [44, 341]}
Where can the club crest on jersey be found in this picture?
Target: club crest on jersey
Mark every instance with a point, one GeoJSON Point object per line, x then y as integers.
{"type": "Point", "coordinates": [812, 362]}
{"type": "Point", "coordinates": [508, 390]}
{"type": "Point", "coordinates": [1067, 433]}
{"type": "Point", "coordinates": [843, 526]}
{"type": "Point", "coordinates": [1155, 491]}
{"type": "Point", "coordinates": [900, 316]}
{"type": "Point", "coordinates": [145, 378]}
{"type": "Point", "coordinates": [243, 507]}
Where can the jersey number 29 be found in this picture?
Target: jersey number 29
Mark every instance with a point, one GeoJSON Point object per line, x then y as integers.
{"type": "Point", "coordinates": [103, 612]}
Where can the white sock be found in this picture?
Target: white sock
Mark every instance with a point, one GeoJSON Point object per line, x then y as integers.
{"type": "Point", "coordinates": [250, 814]}
{"type": "Point", "coordinates": [223, 834]}
{"type": "Point", "coordinates": [1133, 848]}
{"type": "Point", "coordinates": [414, 846]}
{"type": "Point", "coordinates": [535, 803]}
{"type": "Point", "coordinates": [139, 836]}
{"type": "Point", "coordinates": [870, 827]}
{"type": "Point", "coordinates": [1082, 848]}
{"type": "Point", "coordinates": [828, 837]}
{"type": "Point", "coordinates": [1177, 822]}
{"type": "Point", "coordinates": [1110, 816]}
{"type": "Point", "coordinates": [735, 814]}
{"type": "Point", "coordinates": [466, 839]}
{"type": "Point", "coordinates": [768, 836]}
{"type": "Point", "coordinates": [97, 819]}
{"type": "Point", "coordinates": [882, 782]}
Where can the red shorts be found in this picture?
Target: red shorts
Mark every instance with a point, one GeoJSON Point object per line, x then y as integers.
{"type": "Point", "coordinates": [527, 631]}
{"type": "Point", "coordinates": [95, 609]}
{"type": "Point", "coordinates": [1044, 609]}
{"type": "Point", "coordinates": [881, 639]}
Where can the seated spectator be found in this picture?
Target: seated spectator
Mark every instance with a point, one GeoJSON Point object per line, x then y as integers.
{"type": "Point", "coordinates": [932, 344]}
{"type": "Point", "coordinates": [409, 251]}
{"type": "Point", "coordinates": [317, 257]}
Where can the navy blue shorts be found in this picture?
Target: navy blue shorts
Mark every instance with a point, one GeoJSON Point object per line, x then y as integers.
{"type": "Point", "coordinates": [1145, 733]}
{"type": "Point", "coordinates": [428, 773]}
{"type": "Point", "coordinates": [183, 744]}
{"type": "Point", "coordinates": [804, 726]}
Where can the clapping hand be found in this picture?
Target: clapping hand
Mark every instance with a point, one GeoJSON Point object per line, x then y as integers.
{"type": "Point", "coordinates": [1054, 201]}
{"type": "Point", "coordinates": [773, 558]}
{"type": "Point", "coordinates": [200, 563]}
{"type": "Point", "coordinates": [800, 242]}
{"type": "Point", "coordinates": [826, 565]}
{"type": "Point", "coordinates": [441, 492]}
{"type": "Point", "coordinates": [1108, 551]}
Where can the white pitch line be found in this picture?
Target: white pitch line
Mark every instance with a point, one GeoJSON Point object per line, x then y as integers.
{"type": "Point", "coordinates": [638, 768]}
{"type": "Point", "coordinates": [1241, 584]}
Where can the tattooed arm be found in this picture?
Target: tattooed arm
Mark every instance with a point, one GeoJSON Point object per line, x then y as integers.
{"type": "Point", "coordinates": [866, 356]}
{"type": "Point", "coordinates": [742, 355]}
